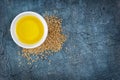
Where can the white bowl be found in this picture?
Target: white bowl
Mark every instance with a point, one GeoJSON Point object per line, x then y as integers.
{"type": "Point", "coordinates": [13, 30]}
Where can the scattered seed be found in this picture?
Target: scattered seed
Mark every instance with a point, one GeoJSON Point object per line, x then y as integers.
{"type": "Point", "coordinates": [52, 44]}
{"type": "Point", "coordinates": [33, 60]}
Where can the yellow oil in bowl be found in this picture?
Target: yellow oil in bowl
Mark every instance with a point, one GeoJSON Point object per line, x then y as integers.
{"type": "Point", "coordinates": [29, 29]}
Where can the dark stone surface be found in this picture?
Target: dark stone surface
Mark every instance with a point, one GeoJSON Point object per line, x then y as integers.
{"type": "Point", "coordinates": [93, 26]}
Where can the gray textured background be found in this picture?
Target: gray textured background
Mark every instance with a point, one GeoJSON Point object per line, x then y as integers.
{"type": "Point", "coordinates": [92, 26]}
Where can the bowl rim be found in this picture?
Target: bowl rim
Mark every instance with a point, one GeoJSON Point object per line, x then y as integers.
{"type": "Point", "coordinates": [13, 29]}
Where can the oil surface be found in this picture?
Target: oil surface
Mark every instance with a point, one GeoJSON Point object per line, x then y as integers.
{"type": "Point", "coordinates": [29, 29]}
